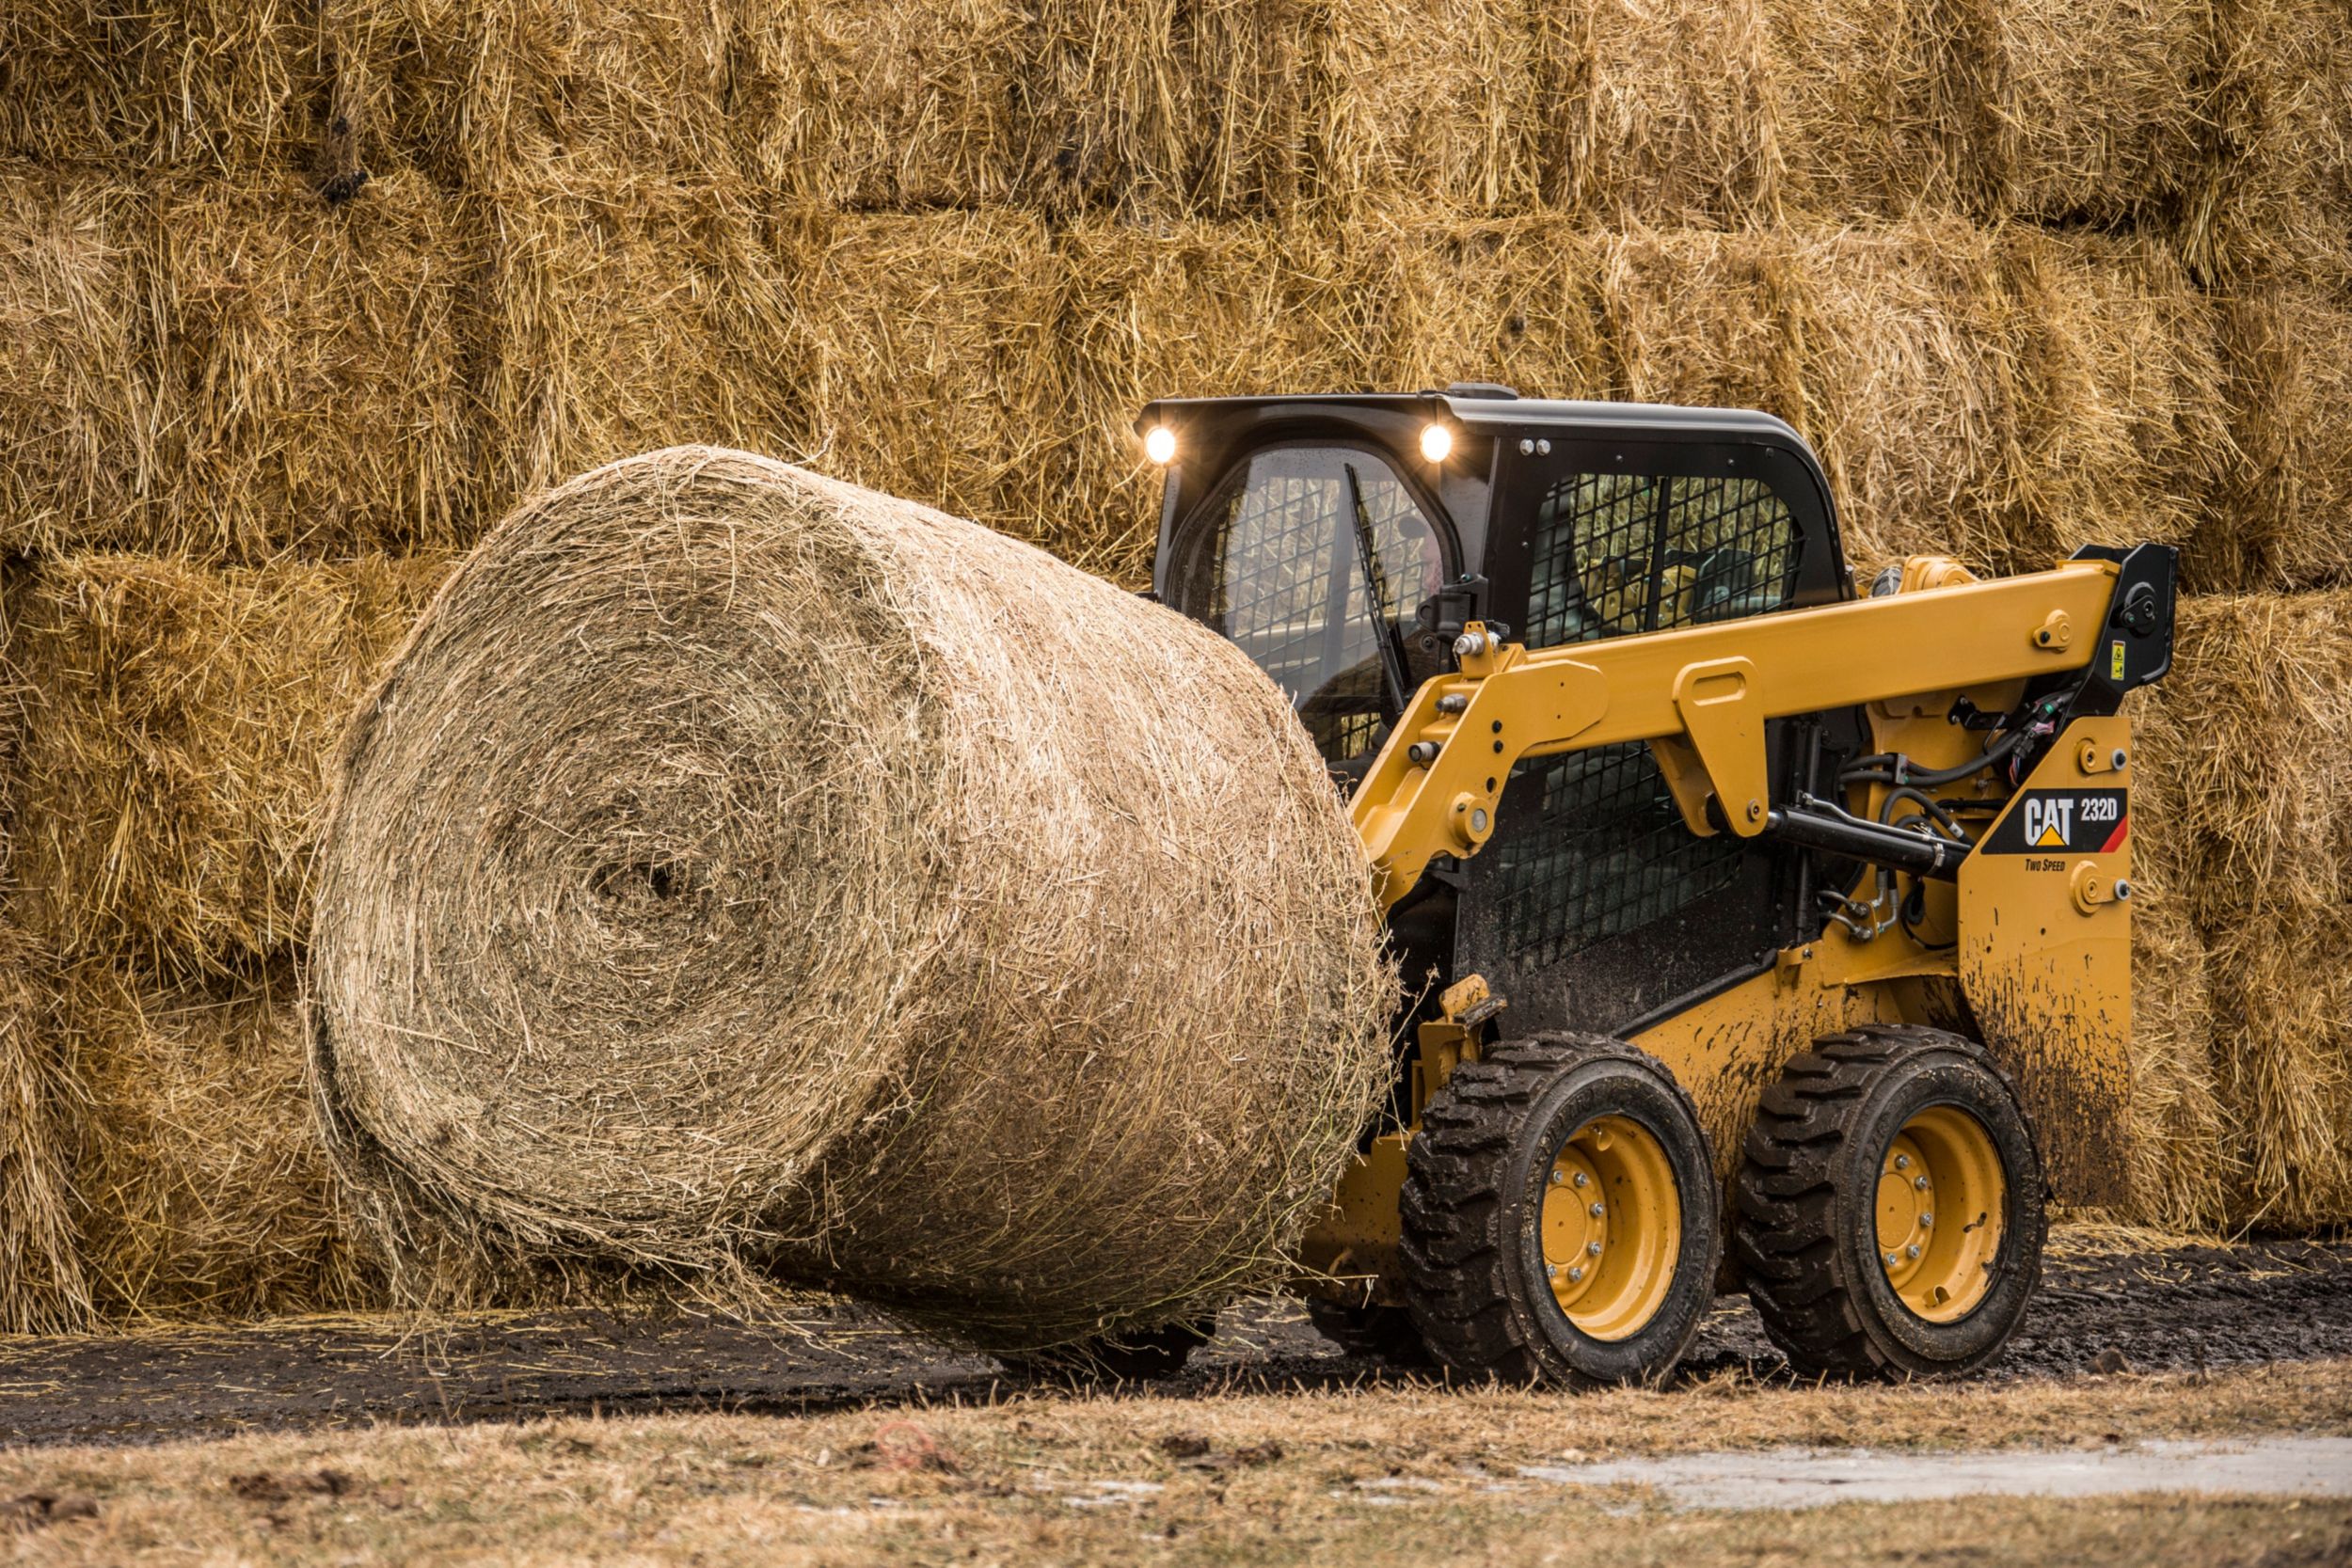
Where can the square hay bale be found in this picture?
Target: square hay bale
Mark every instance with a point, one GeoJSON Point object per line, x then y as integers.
{"type": "Point", "coordinates": [79, 425]}
{"type": "Point", "coordinates": [176, 721]}
{"type": "Point", "coordinates": [2284, 520]}
{"type": "Point", "coordinates": [1511, 300]}
{"type": "Point", "coordinates": [2124, 428]}
{"type": "Point", "coordinates": [216, 84]}
{"type": "Point", "coordinates": [1877, 106]}
{"type": "Point", "coordinates": [900, 106]}
{"type": "Point", "coordinates": [1152, 106]}
{"type": "Point", "coordinates": [202, 1188]}
{"type": "Point", "coordinates": [1911, 353]}
{"type": "Point", "coordinates": [485, 93]}
{"type": "Point", "coordinates": [2186, 1165]}
{"type": "Point", "coordinates": [930, 364]}
{"type": "Point", "coordinates": [42, 1289]}
{"type": "Point", "coordinates": [1437, 107]}
{"type": "Point", "coordinates": [2097, 107]}
{"type": "Point", "coordinates": [2075, 111]}
{"type": "Point", "coordinates": [316, 368]}
{"type": "Point", "coordinates": [2262, 768]}
{"type": "Point", "coordinates": [1700, 317]}
{"type": "Point", "coordinates": [2273, 193]}
{"type": "Point", "coordinates": [1189, 309]}
{"type": "Point", "coordinates": [1658, 112]}
{"type": "Point", "coordinates": [628, 311]}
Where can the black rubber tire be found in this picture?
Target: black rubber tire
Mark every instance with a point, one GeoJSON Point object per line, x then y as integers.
{"type": "Point", "coordinates": [1473, 1199]}
{"type": "Point", "coordinates": [1134, 1357]}
{"type": "Point", "coordinates": [1382, 1333]}
{"type": "Point", "coordinates": [1806, 1235]}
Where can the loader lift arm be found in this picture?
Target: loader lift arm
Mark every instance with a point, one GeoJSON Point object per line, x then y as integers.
{"type": "Point", "coordinates": [1701, 695]}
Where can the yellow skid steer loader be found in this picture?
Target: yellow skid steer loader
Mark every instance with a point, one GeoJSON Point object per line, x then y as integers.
{"type": "Point", "coordinates": [1756, 934]}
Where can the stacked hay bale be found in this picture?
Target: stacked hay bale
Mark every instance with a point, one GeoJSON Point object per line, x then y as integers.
{"type": "Point", "coordinates": [296, 301]}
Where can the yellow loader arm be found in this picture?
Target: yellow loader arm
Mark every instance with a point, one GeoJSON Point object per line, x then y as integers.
{"type": "Point", "coordinates": [1701, 696]}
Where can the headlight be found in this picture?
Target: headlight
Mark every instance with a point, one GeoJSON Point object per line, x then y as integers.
{"type": "Point", "coordinates": [1160, 445]}
{"type": "Point", "coordinates": [1436, 442]}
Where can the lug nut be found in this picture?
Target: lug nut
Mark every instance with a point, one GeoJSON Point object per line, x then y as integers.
{"type": "Point", "coordinates": [1599, 1211]}
{"type": "Point", "coordinates": [1892, 1259]}
{"type": "Point", "coordinates": [1925, 1220]}
{"type": "Point", "coordinates": [1911, 1252]}
{"type": "Point", "coordinates": [1902, 1162]}
{"type": "Point", "coordinates": [1582, 1179]}
{"type": "Point", "coordinates": [1558, 1176]}
{"type": "Point", "coordinates": [1592, 1249]}
{"type": "Point", "coordinates": [1920, 1183]}
{"type": "Point", "coordinates": [1575, 1274]}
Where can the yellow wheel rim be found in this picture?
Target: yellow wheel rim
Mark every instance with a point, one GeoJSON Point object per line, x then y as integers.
{"type": "Point", "coordinates": [1612, 1228]}
{"type": "Point", "coordinates": [1939, 1212]}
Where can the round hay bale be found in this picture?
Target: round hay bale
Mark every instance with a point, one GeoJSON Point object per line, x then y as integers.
{"type": "Point", "coordinates": [738, 866]}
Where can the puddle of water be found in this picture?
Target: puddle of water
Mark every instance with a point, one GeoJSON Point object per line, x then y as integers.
{"type": "Point", "coordinates": [1816, 1478]}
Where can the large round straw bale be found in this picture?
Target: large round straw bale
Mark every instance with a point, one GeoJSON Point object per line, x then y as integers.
{"type": "Point", "coordinates": [739, 865]}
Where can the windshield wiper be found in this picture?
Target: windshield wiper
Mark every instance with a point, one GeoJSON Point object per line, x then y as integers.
{"type": "Point", "coordinates": [1391, 642]}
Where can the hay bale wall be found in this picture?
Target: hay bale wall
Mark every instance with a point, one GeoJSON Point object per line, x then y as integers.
{"type": "Point", "coordinates": [821, 921]}
{"type": "Point", "coordinates": [2029, 275]}
{"type": "Point", "coordinates": [175, 729]}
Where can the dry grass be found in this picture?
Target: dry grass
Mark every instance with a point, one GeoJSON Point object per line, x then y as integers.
{"type": "Point", "coordinates": [44, 1287]}
{"type": "Point", "coordinates": [2256, 724]}
{"type": "Point", "coordinates": [2273, 193]}
{"type": "Point", "coordinates": [199, 84]}
{"type": "Point", "coordinates": [79, 426]}
{"type": "Point", "coordinates": [759, 938]}
{"type": "Point", "coordinates": [2284, 520]}
{"type": "Point", "coordinates": [1386, 1478]}
{"type": "Point", "coordinates": [632, 311]}
{"type": "Point", "coordinates": [200, 1186]}
{"type": "Point", "coordinates": [315, 371]}
{"type": "Point", "coordinates": [176, 723]}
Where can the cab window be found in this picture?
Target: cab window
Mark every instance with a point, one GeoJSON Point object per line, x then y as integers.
{"type": "Point", "coordinates": [1314, 560]}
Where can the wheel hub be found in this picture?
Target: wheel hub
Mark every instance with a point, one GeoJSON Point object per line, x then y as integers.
{"type": "Point", "coordinates": [1612, 1228]}
{"type": "Point", "coordinates": [1939, 1212]}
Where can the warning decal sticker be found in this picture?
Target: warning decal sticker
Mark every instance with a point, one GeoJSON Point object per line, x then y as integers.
{"type": "Point", "coordinates": [2061, 821]}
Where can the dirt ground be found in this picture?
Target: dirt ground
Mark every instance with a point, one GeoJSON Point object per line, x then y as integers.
{"type": "Point", "coordinates": [1408, 1476]}
{"type": "Point", "coordinates": [2110, 1300]}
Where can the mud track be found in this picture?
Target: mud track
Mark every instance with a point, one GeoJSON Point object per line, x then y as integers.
{"type": "Point", "coordinates": [2099, 1310]}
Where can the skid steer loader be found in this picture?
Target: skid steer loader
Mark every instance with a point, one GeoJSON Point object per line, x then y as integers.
{"type": "Point", "coordinates": [1756, 934]}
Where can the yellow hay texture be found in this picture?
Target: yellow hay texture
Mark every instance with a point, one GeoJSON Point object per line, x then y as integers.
{"type": "Point", "coordinates": [2058, 110]}
{"type": "Point", "coordinates": [2263, 764]}
{"type": "Point", "coordinates": [314, 366]}
{"type": "Point", "coordinates": [2000, 395]}
{"type": "Point", "coordinates": [823, 918]}
{"type": "Point", "coordinates": [1658, 113]}
{"type": "Point", "coordinates": [201, 1186]}
{"type": "Point", "coordinates": [78, 418]}
{"type": "Point", "coordinates": [1434, 105]}
{"type": "Point", "coordinates": [2274, 190]}
{"type": "Point", "coordinates": [2095, 111]}
{"type": "Point", "coordinates": [195, 82]}
{"type": "Point", "coordinates": [2124, 432]}
{"type": "Point", "coordinates": [2286, 519]}
{"type": "Point", "coordinates": [927, 354]}
{"type": "Point", "coordinates": [176, 724]}
{"type": "Point", "coordinates": [630, 310]}
{"type": "Point", "coordinates": [43, 1285]}
{"type": "Point", "coordinates": [2187, 1159]}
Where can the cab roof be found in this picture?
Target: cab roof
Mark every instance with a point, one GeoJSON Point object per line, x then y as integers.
{"type": "Point", "coordinates": [1492, 407]}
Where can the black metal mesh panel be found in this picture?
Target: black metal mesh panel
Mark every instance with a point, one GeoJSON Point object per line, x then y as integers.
{"type": "Point", "coordinates": [1315, 557]}
{"type": "Point", "coordinates": [1592, 845]}
{"type": "Point", "coordinates": [1618, 553]}
{"type": "Point", "coordinates": [1602, 852]}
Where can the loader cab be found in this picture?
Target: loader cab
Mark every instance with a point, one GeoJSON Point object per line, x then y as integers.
{"type": "Point", "coordinates": [1342, 541]}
